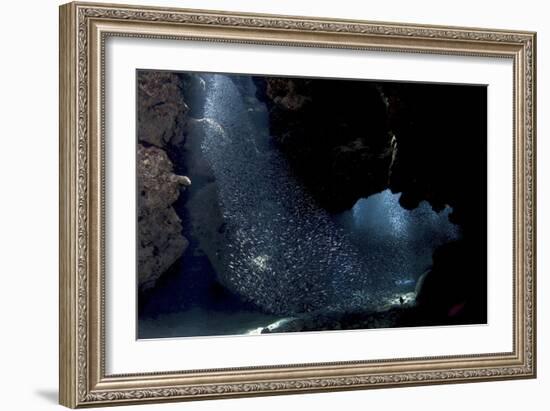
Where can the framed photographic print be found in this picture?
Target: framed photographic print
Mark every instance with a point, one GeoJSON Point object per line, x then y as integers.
{"type": "Point", "coordinates": [259, 204]}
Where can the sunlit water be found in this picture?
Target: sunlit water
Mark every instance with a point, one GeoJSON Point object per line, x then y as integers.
{"type": "Point", "coordinates": [400, 242]}
{"type": "Point", "coordinates": [284, 253]}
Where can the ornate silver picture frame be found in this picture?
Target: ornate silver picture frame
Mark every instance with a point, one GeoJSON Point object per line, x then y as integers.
{"type": "Point", "coordinates": [84, 30]}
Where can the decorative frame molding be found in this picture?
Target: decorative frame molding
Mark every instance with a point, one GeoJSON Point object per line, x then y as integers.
{"type": "Point", "coordinates": [83, 30]}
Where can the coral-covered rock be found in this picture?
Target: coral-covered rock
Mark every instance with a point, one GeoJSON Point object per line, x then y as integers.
{"type": "Point", "coordinates": [160, 242]}
{"type": "Point", "coordinates": [334, 133]}
{"type": "Point", "coordinates": [161, 109]}
{"type": "Point", "coordinates": [286, 93]}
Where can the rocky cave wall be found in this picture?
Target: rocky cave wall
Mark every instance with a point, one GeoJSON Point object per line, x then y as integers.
{"type": "Point", "coordinates": [335, 134]}
{"type": "Point", "coordinates": [161, 117]}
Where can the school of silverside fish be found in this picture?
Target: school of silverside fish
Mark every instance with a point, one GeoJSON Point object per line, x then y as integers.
{"type": "Point", "coordinates": [282, 251]}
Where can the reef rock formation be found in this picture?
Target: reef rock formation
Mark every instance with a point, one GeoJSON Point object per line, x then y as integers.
{"type": "Point", "coordinates": [161, 109]}
{"type": "Point", "coordinates": [162, 115]}
{"type": "Point", "coordinates": [160, 242]}
{"type": "Point", "coordinates": [335, 135]}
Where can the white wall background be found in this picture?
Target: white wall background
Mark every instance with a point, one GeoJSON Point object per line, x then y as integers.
{"type": "Point", "coordinates": [28, 205]}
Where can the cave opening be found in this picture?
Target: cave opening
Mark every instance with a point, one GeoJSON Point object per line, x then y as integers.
{"type": "Point", "coordinates": [319, 204]}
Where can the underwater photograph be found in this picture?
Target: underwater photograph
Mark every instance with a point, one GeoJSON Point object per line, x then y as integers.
{"type": "Point", "coordinates": [271, 204]}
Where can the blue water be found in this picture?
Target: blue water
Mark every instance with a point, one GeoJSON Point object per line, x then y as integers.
{"type": "Point", "coordinates": [280, 254]}
{"type": "Point", "coordinates": [380, 227]}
